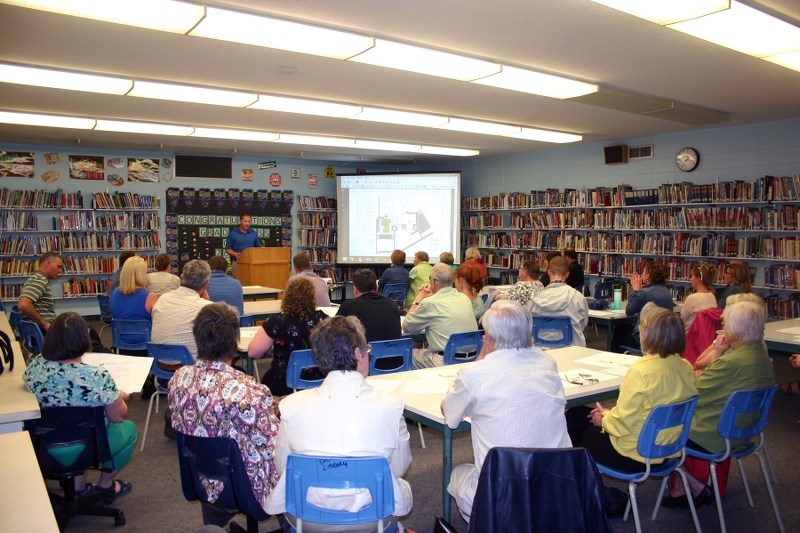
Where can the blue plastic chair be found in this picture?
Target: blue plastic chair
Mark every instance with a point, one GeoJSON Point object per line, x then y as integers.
{"type": "Point", "coordinates": [246, 321]}
{"type": "Point", "coordinates": [552, 331]}
{"type": "Point", "coordinates": [463, 347]}
{"type": "Point", "coordinates": [299, 360]}
{"type": "Point", "coordinates": [104, 301]}
{"type": "Point", "coordinates": [202, 458]}
{"type": "Point", "coordinates": [663, 417]}
{"type": "Point", "coordinates": [371, 473]}
{"type": "Point", "coordinates": [14, 318]}
{"type": "Point", "coordinates": [163, 354]}
{"type": "Point", "coordinates": [31, 337]}
{"type": "Point", "coordinates": [130, 334]}
{"type": "Point", "coordinates": [391, 349]}
{"type": "Point", "coordinates": [743, 418]}
{"type": "Point", "coordinates": [397, 292]}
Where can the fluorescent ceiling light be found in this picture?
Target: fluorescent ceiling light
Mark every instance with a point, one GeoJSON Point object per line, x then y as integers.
{"type": "Point", "coordinates": [405, 118]}
{"type": "Point", "coordinates": [528, 81]}
{"type": "Point", "coordinates": [425, 61]}
{"type": "Point", "coordinates": [48, 121]}
{"type": "Point", "coordinates": [236, 135]}
{"type": "Point", "coordinates": [280, 34]}
{"type": "Point", "coordinates": [56, 79]}
{"type": "Point", "coordinates": [304, 106]}
{"type": "Point", "coordinates": [533, 134]}
{"type": "Point", "coordinates": [791, 61]}
{"type": "Point", "coordinates": [478, 126]}
{"type": "Point", "coordinates": [161, 15]}
{"type": "Point", "coordinates": [340, 142]}
{"type": "Point", "coordinates": [666, 11]}
{"type": "Point", "coordinates": [188, 93]}
{"type": "Point", "coordinates": [443, 150]}
{"type": "Point", "coordinates": [143, 127]}
{"type": "Point", "coordinates": [388, 146]}
{"type": "Point", "coordinates": [745, 30]}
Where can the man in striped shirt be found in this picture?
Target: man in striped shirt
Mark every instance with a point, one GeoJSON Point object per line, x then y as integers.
{"type": "Point", "coordinates": [36, 301]}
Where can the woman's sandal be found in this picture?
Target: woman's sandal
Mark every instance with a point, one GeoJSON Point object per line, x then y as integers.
{"type": "Point", "coordinates": [120, 488]}
{"type": "Point", "coordinates": [791, 388]}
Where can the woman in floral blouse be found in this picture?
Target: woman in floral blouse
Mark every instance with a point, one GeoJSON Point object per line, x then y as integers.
{"type": "Point", "coordinates": [213, 399]}
{"type": "Point", "coordinates": [283, 333]}
{"type": "Point", "coordinates": [59, 378]}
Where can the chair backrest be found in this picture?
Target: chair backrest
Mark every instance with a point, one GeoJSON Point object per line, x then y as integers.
{"type": "Point", "coordinates": [463, 347]}
{"type": "Point", "coordinates": [14, 318]}
{"type": "Point", "coordinates": [246, 321]}
{"type": "Point", "coordinates": [68, 440]}
{"type": "Point", "coordinates": [299, 360]}
{"type": "Point", "coordinates": [603, 290]}
{"type": "Point", "coordinates": [662, 417]}
{"type": "Point", "coordinates": [31, 336]}
{"type": "Point", "coordinates": [104, 301]}
{"type": "Point", "coordinates": [539, 489]}
{"type": "Point", "coordinates": [552, 331]}
{"type": "Point", "coordinates": [370, 473]}
{"type": "Point", "coordinates": [218, 458]}
{"type": "Point", "coordinates": [397, 348]}
{"type": "Point", "coordinates": [396, 292]}
{"type": "Point", "coordinates": [745, 413]}
{"type": "Point", "coordinates": [130, 334]}
{"type": "Point", "coordinates": [167, 355]}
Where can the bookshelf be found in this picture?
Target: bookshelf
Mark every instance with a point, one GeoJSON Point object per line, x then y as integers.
{"type": "Point", "coordinates": [316, 233]}
{"type": "Point", "coordinates": [89, 236]}
{"type": "Point", "coordinates": [616, 229]}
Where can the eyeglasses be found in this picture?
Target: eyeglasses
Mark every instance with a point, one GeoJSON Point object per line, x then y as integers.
{"type": "Point", "coordinates": [582, 379]}
{"type": "Point", "coordinates": [369, 349]}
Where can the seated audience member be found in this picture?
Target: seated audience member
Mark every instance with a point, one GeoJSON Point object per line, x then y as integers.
{"type": "Point", "coordinates": [418, 276]}
{"type": "Point", "coordinates": [222, 287]}
{"type": "Point", "coordinates": [513, 395]}
{"type": "Point", "coordinates": [162, 280]}
{"type": "Point", "coordinates": [737, 280]}
{"type": "Point", "coordinates": [124, 256]}
{"type": "Point", "coordinates": [59, 379]}
{"type": "Point", "coordinates": [213, 399]}
{"type": "Point", "coordinates": [712, 351]}
{"type": "Point", "coordinates": [659, 377]}
{"type": "Point", "coordinates": [575, 278]}
{"type": "Point", "coordinates": [131, 301]}
{"type": "Point", "coordinates": [559, 299]}
{"type": "Point", "coordinates": [469, 282]}
{"type": "Point", "coordinates": [174, 313]}
{"type": "Point", "coordinates": [545, 277]}
{"type": "Point", "coordinates": [379, 315]}
{"type": "Point", "coordinates": [36, 300]}
{"type": "Point", "coordinates": [448, 259]}
{"type": "Point", "coordinates": [526, 288]}
{"type": "Point", "coordinates": [741, 362]}
{"type": "Point", "coordinates": [343, 417]}
{"type": "Point", "coordinates": [473, 255]}
{"type": "Point", "coordinates": [285, 332]}
{"type": "Point", "coordinates": [792, 388]}
{"type": "Point", "coordinates": [396, 273]}
{"type": "Point", "coordinates": [649, 286]}
{"type": "Point", "coordinates": [702, 276]}
{"type": "Point", "coordinates": [440, 311]}
{"type": "Point", "coordinates": [302, 269]}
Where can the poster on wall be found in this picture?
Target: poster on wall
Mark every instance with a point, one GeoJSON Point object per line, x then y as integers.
{"type": "Point", "coordinates": [86, 167]}
{"type": "Point", "coordinates": [143, 169]}
{"type": "Point", "coordinates": [17, 164]}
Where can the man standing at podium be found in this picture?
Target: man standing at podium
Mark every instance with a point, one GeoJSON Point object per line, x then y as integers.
{"type": "Point", "coordinates": [239, 239]}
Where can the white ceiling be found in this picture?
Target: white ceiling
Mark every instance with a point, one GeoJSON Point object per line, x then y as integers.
{"type": "Point", "coordinates": [576, 38]}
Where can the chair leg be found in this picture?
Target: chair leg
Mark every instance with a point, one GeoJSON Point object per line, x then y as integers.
{"type": "Point", "coordinates": [660, 496]}
{"type": "Point", "coordinates": [147, 420]}
{"type": "Point", "coordinates": [744, 482]}
{"type": "Point", "coordinates": [633, 505]}
{"type": "Point", "coordinates": [717, 498]}
{"type": "Point", "coordinates": [687, 491]}
{"type": "Point", "coordinates": [421, 436]}
{"type": "Point", "coordinates": [769, 459]}
{"type": "Point", "coordinates": [769, 490]}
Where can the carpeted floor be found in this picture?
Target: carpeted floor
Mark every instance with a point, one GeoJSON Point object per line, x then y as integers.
{"type": "Point", "coordinates": [157, 504]}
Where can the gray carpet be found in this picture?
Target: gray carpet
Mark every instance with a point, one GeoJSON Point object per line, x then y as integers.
{"type": "Point", "coordinates": [157, 504]}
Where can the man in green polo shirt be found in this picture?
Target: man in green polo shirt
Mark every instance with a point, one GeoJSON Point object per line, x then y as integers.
{"type": "Point", "coordinates": [36, 301]}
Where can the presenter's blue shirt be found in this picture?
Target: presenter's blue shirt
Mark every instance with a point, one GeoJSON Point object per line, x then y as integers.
{"type": "Point", "coordinates": [238, 241]}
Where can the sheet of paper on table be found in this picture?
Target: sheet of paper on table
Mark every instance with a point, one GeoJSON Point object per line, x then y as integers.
{"type": "Point", "coordinates": [795, 330]}
{"type": "Point", "coordinates": [129, 372]}
{"type": "Point", "coordinates": [609, 359]}
{"type": "Point", "coordinates": [582, 377]}
{"type": "Point", "coordinates": [386, 385]}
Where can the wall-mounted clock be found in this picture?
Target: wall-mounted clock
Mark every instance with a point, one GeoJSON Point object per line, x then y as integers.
{"type": "Point", "coordinates": [687, 159]}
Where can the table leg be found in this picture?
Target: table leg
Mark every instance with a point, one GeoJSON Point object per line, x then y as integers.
{"type": "Point", "coordinates": [447, 467]}
{"type": "Point", "coordinates": [609, 334]}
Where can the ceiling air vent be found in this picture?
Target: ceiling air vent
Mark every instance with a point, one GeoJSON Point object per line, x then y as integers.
{"type": "Point", "coordinates": [640, 152]}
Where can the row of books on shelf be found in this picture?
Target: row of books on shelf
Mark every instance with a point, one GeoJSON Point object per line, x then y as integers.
{"type": "Point", "coordinates": [40, 199]}
{"type": "Point", "coordinates": [124, 200]}
{"type": "Point", "coordinates": [19, 221]}
{"type": "Point", "coordinates": [317, 220]}
{"type": "Point", "coordinates": [72, 265]}
{"type": "Point", "coordinates": [764, 189]}
{"type": "Point", "coordinates": [778, 218]}
{"type": "Point", "coordinates": [317, 237]}
{"type": "Point", "coordinates": [317, 202]}
{"type": "Point", "coordinates": [93, 221]}
{"type": "Point", "coordinates": [79, 242]}
{"type": "Point", "coordinates": [84, 287]}
{"type": "Point", "coordinates": [321, 256]}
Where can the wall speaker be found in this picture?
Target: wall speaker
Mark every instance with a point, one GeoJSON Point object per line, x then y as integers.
{"type": "Point", "coordinates": [616, 155]}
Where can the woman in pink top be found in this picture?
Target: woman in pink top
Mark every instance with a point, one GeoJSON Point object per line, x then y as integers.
{"type": "Point", "coordinates": [702, 277]}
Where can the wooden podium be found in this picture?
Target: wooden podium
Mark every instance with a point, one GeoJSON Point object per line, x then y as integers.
{"type": "Point", "coordinates": [268, 267]}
